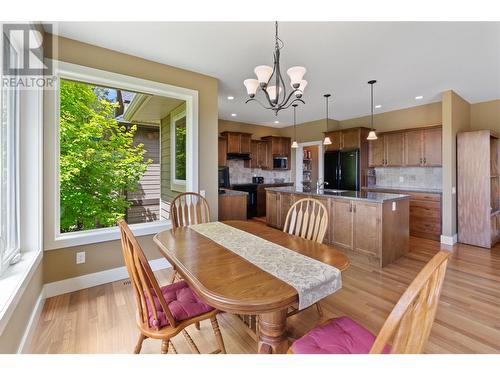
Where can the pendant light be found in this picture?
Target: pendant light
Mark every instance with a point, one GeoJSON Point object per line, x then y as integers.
{"type": "Point", "coordinates": [294, 143]}
{"type": "Point", "coordinates": [327, 141]}
{"type": "Point", "coordinates": [371, 135]}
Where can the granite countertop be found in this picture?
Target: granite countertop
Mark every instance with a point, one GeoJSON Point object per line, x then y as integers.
{"type": "Point", "coordinates": [229, 192]}
{"type": "Point", "coordinates": [346, 194]}
{"type": "Point", "coordinates": [409, 189]}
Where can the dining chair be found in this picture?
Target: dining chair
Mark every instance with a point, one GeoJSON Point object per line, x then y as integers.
{"type": "Point", "coordinates": [164, 312]}
{"type": "Point", "coordinates": [186, 209]}
{"type": "Point", "coordinates": [307, 218]}
{"type": "Point", "coordinates": [408, 325]}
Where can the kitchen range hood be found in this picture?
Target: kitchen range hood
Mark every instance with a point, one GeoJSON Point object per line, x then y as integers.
{"type": "Point", "coordinates": [232, 156]}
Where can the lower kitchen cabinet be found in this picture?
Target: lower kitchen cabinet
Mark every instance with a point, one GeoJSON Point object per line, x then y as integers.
{"type": "Point", "coordinates": [272, 212]}
{"type": "Point", "coordinates": [367, 218]}
{"type": "Point", "coordinates": [342, 224]}
{"type": "Point", "coordinates": [374, 230]}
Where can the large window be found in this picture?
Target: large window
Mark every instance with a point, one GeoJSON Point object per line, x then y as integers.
{"type": "Point", "coordinates": [108, 155]}
{"type": "Point", "coordinates": [102, 159]}
{"type": "Point", "coordinates": [9, 169]}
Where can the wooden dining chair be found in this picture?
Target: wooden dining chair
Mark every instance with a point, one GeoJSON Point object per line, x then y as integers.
{"type": "Point", "coordinates": [186, 209]}
{"type": "Point", "coordinates": [164, 312]}
{"type": "Point", "coordinates": [307, 218]}
{"type": "Point", "coordinates": [189, 208]}
{"type": "Point", "coordinates": [408, 325]}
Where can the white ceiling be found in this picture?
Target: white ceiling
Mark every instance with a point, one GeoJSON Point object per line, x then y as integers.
{"type": "Point", "coordinates": [406, 58]}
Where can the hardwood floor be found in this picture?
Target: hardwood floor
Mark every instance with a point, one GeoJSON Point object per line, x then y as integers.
{"type": "Point", "coordinates": [102, 319]}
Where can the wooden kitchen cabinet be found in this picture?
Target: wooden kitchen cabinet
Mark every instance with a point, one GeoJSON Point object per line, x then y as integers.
{"type": "Point", "coordinates": [262, 160]}
{"type": "Point", "coordinates": [278, 146]}
{"type": "Point", "coordinates": [376, 152]}
{"type": "Point", "coordinates": [432, 147]}
{"type": "Point", "coordinates": [222, 151]}
{"type": "Point", "coordinates": [413, 148]}
{"type": "Point", "coordinates": [376, 231]}
{"type": "Point", "coordinates": [272, 206]}
{"type": "Point", "coordinates": [350, 139]}
{"type": "Point", "coordinates": [342, 224]}
{"type": "Point", "coordinates": [237, 143]}
{"type": "Point", "coordinates": [393, 145]}
{"type": "Point", "coordinates": [258, 155]}
{"type": "Point", "coordinates": [366, 226]}
{"type": "Point", "coordinates": [408, 148]}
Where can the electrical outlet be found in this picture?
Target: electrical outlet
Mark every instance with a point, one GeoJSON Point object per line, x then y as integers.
{"type": "Point", "coordinates": [453, 190]}
{"type": "Point", "coordinates": [80, 257]}
{"type": "Point", "coordinates": [202, 193]}
{"type": "Point", "coordinates": [394, 206]}
{"type": "Point", "coordinates": [401, 179]}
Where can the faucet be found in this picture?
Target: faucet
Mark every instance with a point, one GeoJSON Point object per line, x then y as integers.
{"type": "Point", "coordinates": [320, 185]}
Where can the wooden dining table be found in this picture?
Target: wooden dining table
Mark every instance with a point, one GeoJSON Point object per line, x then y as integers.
{"type": "Point", "coordinates": [232, 284]}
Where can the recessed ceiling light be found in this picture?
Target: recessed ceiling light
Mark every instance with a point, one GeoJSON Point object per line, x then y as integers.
{"type": "Point", "coordinates": [233, 114]}
{"type": "Point", "coordinates": [230, 97]}
{"type": "Point", "coordinates": [276, 122]}
{"type": "Point", "coordinates": [378, 106]}
{"type": "Point", "coordinates": [419, 97]}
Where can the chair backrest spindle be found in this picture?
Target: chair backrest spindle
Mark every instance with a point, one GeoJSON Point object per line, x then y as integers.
{"type": "Point", "coordinates": [307, 218]}
{"type": "Point", "coordinates": [189, 208]}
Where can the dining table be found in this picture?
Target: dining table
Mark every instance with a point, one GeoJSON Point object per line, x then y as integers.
{"type": "Point", "coordinates": [231, 283]}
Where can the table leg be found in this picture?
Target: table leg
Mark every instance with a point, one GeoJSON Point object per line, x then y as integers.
{"type": "Point", "coordinates": [272, 333]}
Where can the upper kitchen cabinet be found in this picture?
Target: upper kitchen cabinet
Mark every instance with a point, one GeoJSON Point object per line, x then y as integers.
{"type": "Point", "coordinates": [278, 146]}
{"type": "Point", "coordinates": [376, 152]}
{"type": "Point", "coordinates": [347, 139]}
{"type": "Point", "coordinates": [422, 147]}
{"type": "Point", "coordinates": [408, 148]}
{"type": "Point", "coordinates": [222, 151]}
{"type": "Point", "coordinates": [393, 150]}
{"type": "Point", "coordinates": [432, 147]}
{"type": "Point", "coordinates": [258, 155]}
{"type": "Point", "coordinates": [237, 143]}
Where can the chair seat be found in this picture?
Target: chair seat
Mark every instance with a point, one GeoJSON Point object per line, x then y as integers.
{"type": "Point", "coordinates": [338, 336]}
{"type": "Point", "coordinates": [182, 302]}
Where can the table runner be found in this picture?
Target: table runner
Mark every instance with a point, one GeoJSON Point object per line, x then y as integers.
{"type": "Point", "coordinates": [312, 279]}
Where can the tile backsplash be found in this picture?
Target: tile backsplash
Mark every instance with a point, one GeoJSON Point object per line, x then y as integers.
{"type": "Point", "coordinates": [238, 174]}
{"type": "Point", "coordinates": [430, 178]}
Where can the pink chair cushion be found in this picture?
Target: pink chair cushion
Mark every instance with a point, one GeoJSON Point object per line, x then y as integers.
{"type": "Point", "coordinates": [340, 336]}
{"type": "Point", "coordinates": [182, 302]}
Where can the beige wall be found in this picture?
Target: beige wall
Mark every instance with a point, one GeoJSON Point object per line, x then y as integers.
{"type": "Point", "coordinates": [413, 117]}
{"type": "Point", "coordinates": [13, 333]}
{"type": "Point", "coordinates": [456, 118]}
{"type": "Point", "coordinates": [60, 264]}
{"type": "Point", "coordinates": [257, 131]}
{"type": "Point", "coordinates": [485, 115]}
{"type": "Point", "coordinates": [310, 131]}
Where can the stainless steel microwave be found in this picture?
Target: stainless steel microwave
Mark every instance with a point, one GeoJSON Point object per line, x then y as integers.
{"type": "Point", "coordinates": [280, 162]}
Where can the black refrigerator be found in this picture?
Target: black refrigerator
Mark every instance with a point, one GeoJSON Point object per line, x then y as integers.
{"type": "Point", "coordinates": [342, 170]}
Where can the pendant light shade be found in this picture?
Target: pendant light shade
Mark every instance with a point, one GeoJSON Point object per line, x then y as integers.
{"type": "Point", "coordinates": [371, 135]}
{"type": "Point", "coordinates": [327, 141]}
{"type": "Point", "coordinates": [294, 143]}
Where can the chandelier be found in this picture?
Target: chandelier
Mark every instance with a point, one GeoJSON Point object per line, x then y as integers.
{"type": "Point", "coordinates": [271, 82]}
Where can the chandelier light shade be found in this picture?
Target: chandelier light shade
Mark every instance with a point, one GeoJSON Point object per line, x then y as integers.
{"type": "Point", "coordinates": [271, 83]}
{"type": "Point", "coordinates": [327, 141]}
{"type": "Point", "coordinates": [252, 85]}
{"type": "Point", "coordinates": [294, 143]}
{"type": "Point", "coordinates": [371, 135]}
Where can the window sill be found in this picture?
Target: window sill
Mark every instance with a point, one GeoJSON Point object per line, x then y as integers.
{"type": "Point", "coordinates": [104, 234]}
{"type": "Point", "coordinates": [13, 283]}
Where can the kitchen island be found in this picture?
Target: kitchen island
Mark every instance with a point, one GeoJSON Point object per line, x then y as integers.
{"type": "Point", "coordinates": [371, 226]}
